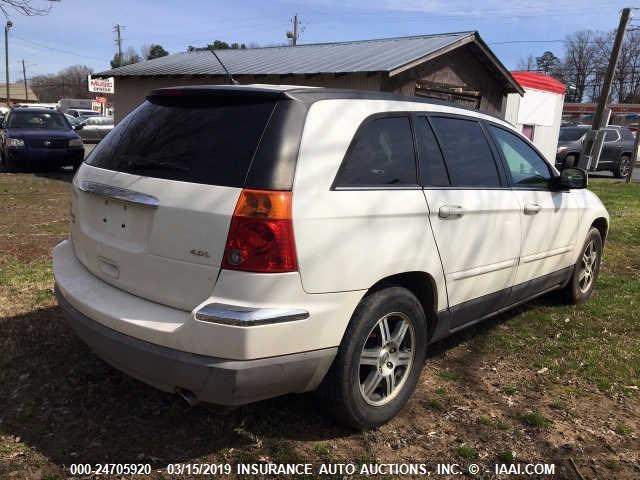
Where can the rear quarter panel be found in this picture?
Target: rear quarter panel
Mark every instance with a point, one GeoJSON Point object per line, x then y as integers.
{"type": "Point", "coordinates": [351, 239]}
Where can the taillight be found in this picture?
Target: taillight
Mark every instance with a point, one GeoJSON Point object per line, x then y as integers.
{"type": "Point", "coordinates": [261, 234]}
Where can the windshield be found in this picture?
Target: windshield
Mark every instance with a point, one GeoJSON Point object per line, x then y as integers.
{"type": "Point", "coordinates": [42, 120]}
{"type": "Point", "coordinates": [571, 134]}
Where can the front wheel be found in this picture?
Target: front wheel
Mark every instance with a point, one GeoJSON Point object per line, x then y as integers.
{"type": "Point", "coordinates": [623, 168]}
{"type": "Point", "coordinates": [379, 361]}
{"type": "Point", "coordinates": [586, 269]}
{"type": "Point", "coordinates": [6, 164]}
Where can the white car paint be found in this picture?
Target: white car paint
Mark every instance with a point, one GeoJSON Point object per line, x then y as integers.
{"type": "Point", "coordinates": [346, 241]}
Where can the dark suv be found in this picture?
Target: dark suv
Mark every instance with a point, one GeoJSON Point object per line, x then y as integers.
{"type": "Point", "coordinates": [38, 138]}
{"type": "Point", "coordinates": [616, 152]}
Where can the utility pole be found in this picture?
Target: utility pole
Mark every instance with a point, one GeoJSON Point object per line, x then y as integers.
{"type": "Point", "coordinates": [635, 156]}
{"type": "Point", "coordinates": [294, 35]}
{"type": "Point", "coordinates": [24, 78]}
{"type": "Point", "coordinates": [7, 26]}
{"type": "Point", "coordinates": [595, 138]}
{"type": "Point", "coordinates": [116, 29]}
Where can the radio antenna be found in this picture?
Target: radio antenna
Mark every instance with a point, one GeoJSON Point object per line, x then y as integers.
{"type": "Point", "coordinates": [230, 79]}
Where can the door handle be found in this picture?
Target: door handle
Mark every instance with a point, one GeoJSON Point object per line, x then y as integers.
{"type": "Point", "coordinates": [450, 211]}
{"type": "Point", "coordinates": [532, 208]}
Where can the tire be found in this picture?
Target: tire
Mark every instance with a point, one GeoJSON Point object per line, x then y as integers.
{"type": "Point", "coordinates": [579, 288]}
{"type": "Point", "coordinates": [364, 395]}
{"type": "Point", "coordinates": [623, 167]}
{"type": "Point", "coordinates": [6, 165]}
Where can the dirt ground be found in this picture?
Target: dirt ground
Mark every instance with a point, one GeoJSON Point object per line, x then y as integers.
{"type": "Point", "coordinates": [545, 383]}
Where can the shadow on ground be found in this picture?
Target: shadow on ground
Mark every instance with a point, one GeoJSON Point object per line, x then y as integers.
{"type": "Point", "coordinates": [65, 402]}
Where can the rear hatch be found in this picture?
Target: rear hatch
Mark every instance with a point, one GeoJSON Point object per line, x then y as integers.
{"type": "Point", "coordinates": [153, 203]}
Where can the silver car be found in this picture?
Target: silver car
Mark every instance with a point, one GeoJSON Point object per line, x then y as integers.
{"type": "Point", "coordinates": [94, 129]}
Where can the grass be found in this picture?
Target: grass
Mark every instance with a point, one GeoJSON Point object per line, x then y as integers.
{"type": "Point", "coordinates": [71, 402]}
{"type": "Point", "coordinates": [536, 420]}
{"type": "Point", "coordinates": [468, 453]}
{"type": "Point", "coordinates": [450, 375]}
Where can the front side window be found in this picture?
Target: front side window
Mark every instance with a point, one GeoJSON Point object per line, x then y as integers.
{"type": "Point", "coordinates": [382, 155]}
{"type": "Point", "coordinates": [466, 152]}
{"type": "Point", "coordinates": [527, 168]}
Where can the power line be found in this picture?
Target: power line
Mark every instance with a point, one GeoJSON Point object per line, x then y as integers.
{"type": "Point", "coordinates": [68, 52]}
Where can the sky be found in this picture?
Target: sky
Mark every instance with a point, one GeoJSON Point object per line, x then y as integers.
{"type": "Point", "coordinates": [81, 31]}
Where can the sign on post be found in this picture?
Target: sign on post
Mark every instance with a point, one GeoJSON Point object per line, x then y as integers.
{"type": "Point", "coordinates": [101, 99]}
{"type": "Point", "coordinates": [101, 85]}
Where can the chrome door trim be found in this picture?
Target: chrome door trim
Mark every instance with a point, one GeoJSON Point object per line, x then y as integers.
{"type": "Point", "coordinates": [117, 193]}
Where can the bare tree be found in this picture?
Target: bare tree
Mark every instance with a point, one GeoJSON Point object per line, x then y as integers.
{"type": "Point", "coordinates": [579, 61]}
{"type": "Point", "coordinates": [527, 64]}
{"type": "Point", "coordinates": [70, 82]}
{"type": "Point", "coordinates": [24, 7]}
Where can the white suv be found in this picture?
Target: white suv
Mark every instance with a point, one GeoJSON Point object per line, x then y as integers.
{"type": "Point", "coordinates": [237, 243]}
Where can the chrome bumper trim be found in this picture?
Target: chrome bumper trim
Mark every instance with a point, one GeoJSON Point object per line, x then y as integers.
{"type": "Point", "coordinates": [246, 316]}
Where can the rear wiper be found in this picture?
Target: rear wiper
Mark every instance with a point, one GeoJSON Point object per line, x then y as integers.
{"type": "Point", "coordinates": [138, 165]}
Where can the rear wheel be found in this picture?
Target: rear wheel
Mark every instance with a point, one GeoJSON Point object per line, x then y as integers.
{"type": "Point", "coordinates": [586, 269]}
{"type": "Point", "coordinates": [623, 167]}
{"type": "Point", "coordinates": [379, 361]}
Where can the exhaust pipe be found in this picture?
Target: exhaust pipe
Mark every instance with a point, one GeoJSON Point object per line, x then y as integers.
{"type": "Point", "coordinates": [188, 396]}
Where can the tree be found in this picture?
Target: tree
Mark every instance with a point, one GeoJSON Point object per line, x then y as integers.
{"type": "Point", "coordinates": [580, 61]}
{"type": "Point", "coordinates": [218, 45]}
{"type": "Point", "coordinates": [22, 6]}
{"type": "Point", "coordinates": [70, 82]}
{"type": "Point", "coordinates": [548, 63]}
{"type": "Point", "coordinates": [156, 51]}
{"type": "Point", "coordinates": [527, 64]}
{"type": "Point", "coordinates": [128, 57]}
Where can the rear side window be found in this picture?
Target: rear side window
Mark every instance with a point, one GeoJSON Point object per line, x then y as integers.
{"type": "Point", "coordinates": [467, 152]}
{"type": "Point", "coordinates": [195, 140]}
{"type": "Point", "coordinates": [433, 172]}
{"type": "Point", "coordinates": [610, 136]}
{"type": "Point", "coordinates": [381, 155]}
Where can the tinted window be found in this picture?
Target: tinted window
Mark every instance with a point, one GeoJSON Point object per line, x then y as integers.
{"type": "Point", "coordinates": [45, 121]}
{"type": "Point", "coordinates": [382, 154]}
{"type": "Point", "coordinates": [526, 166]}
{"type": "Point", "coordinates": [610, 135]}
{"type": "Point", "coordinates": [191, 141]}
{"type": "Point", "coordinates": [433, 172]}
{"type": "Point", "coordinates": [627, 134]}
{"type": "Point", "coordinates": [467, 152]}
{"type": "Point", "coordinates": [570, 134]}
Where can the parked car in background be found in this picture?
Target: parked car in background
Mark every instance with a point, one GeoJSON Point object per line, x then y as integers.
{"type": "Point", "coordinates": [616, 151]}
{"type": "Point", "coordinates": [36, 139]}
{"type": "Point", "coordinates": [634, 127]}
{"type": "Point", "coordinates": [306, 238]}
{"type": "Point", "coordinates": [94, 129]}
{"type": "Point", "coordinates": [78, 113]}
{"type": "Point", "coordinates": [74, 121]}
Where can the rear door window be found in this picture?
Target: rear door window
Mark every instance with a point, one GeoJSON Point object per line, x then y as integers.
{"type": "Point", "coordinates": [382, 154]}
{"type": "Point", "coordinates": [197, 140]}
{"type": "Point", "coordinates": [467, 152]}
{"type": "Point", "coordinates": [433, 172]}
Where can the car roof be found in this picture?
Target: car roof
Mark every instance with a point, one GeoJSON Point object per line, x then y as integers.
{"type": "Point", "coordinates": [303, 94]}
{"type": "Point", "coordinates": [34, 109]}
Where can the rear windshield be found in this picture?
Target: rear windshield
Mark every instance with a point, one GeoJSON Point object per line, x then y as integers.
{"type": "Point", "coordinates": [188, 140]}
{"type": "Point", "coordinates": [45, 121]}
{"type": "Point", "coordinates": [570, 134]}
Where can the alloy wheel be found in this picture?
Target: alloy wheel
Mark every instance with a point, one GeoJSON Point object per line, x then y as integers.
{"type": "Point", "coordinates": [587, 267]}
{"type": "Point", "coordinates": [386, 358]}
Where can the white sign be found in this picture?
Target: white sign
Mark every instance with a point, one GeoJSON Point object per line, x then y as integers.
{"type": "Point", "coordinates": [101, 85]}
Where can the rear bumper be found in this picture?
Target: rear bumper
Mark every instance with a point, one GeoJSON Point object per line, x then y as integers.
{"type": "Point", "coordinates": [214, 380]}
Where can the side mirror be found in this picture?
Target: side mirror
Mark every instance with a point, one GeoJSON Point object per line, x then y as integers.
{"type": "Point", "coordinates": [572, 178]}
{"type": "Point", "coordinates": [78, 126]}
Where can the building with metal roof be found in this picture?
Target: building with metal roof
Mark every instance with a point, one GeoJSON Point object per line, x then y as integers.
{"type": "Point", "coordinates": [458, 67]}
